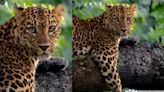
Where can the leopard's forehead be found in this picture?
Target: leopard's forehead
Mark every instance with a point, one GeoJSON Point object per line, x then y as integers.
{"type": "Point", "coordinates": [121, 9]}
{"type": "Point", "coordinates": [40, 15]}
{"type": "Point", "coordinates": [38, 12]}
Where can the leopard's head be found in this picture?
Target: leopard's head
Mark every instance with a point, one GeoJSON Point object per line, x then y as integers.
{"type": "Point", "coordinates": [38, 28]}
{"type": "Point", "coordinates": [120, 18]}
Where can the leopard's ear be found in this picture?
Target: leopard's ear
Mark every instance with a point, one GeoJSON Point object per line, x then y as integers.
{"type": "Point", "coordinates": [132, 7]}
{"type": "Point", "coordinates": [18, 10]}
{"type": "Point", "coordinates": [59, 9]}
{"type": "Point", "coordinates": [108, 6]}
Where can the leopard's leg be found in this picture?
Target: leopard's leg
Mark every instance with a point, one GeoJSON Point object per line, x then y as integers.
{"type": "Point", "coordinates": [107, 60]}
{"type": "Point", "coordinates": [81, 52]}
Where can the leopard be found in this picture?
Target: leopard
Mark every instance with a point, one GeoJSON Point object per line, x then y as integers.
{"type": "Point", "coordinates": [25, 39]}
{"type": "Point", "coordinates": [99, 37]}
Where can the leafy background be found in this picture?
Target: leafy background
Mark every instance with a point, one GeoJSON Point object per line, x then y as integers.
{"type": "Point", "coordinates": [149, 19]}
{"type": "Point", "coordinates": [64, 48]}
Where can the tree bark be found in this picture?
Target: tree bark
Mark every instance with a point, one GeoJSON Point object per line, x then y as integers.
{"type": "Point", "coordinates": [51, 76]}
{"type": "Point", "coordinates": [141, 66]}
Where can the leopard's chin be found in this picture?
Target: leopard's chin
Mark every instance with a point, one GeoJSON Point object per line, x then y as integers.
{"type": "Point", "coordinates": [44, 56]}
{"type": "Point", "coordinates": [41, 55]}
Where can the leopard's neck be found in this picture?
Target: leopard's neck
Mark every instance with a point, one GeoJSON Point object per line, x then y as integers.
{"type": "Point", "coordinates": [9, 39]}
{"type": "Point", "coordinates": [99, 26]}
{"type": "Point", "coordinates": [7, 31]}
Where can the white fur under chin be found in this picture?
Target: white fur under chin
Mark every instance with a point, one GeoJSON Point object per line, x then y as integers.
{"type": "Point", "coordinates": [44, 57]}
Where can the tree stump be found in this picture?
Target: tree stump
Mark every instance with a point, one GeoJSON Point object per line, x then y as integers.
{"type": "Point", "coordinates": [51, 76]}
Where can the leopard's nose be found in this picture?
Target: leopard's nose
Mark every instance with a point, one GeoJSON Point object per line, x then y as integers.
{"type": "Point", "coordinates": [43, 47]}
{"type": "Point", "coordinates": [123, 29]}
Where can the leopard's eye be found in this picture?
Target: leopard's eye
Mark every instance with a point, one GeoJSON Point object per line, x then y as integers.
{"type": "Point", "coordinates": [51, 28]}
{"type": "Point", "coordinates": [32, 29]}
{"type": "Point", "coordinates": [128, 18]}
{"type": "Point", "coordinates": [115, 17]}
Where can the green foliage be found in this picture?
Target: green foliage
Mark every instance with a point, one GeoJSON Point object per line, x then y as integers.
{"type": "Point", "coordinates": [149, 19]}
{"type": "Point", "coordinates": [52, 2]}
{"type": "Point", "coordinates": [150, 24]}
{"type": "Point", "coordinates": [64, 48]}
{"type": "Point", "coordinates": [87, 8]}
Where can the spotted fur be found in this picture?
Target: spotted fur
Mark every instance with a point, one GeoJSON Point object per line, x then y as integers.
{"type": "Point", "coordinates": [25, 39]}
{"type": "Point", "coordinates": [99, 37]}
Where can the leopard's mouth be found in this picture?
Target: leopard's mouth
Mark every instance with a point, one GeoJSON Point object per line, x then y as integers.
{"type": "Point", "coordinates": [43, 53]}
{"type": "Point", "coordinates": [44, 56]}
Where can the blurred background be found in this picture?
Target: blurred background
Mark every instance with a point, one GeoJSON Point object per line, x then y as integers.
{"type": "Point", "coordinates": [64, 48]}
{"type": "Point", "coordinates": [149, 18]}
